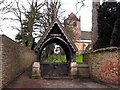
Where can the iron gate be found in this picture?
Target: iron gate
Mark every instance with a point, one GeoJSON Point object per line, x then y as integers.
{"type": "Point", "coordinates": [54, 69]}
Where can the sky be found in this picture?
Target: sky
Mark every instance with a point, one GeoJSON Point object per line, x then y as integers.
{"type": "Point", "coordinates": [85, 14]}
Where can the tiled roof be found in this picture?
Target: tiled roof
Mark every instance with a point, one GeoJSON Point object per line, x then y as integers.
{"type": "Point", "coordinates": [72, 16]}
{"type": "Point", "coordinates": [56, 21]}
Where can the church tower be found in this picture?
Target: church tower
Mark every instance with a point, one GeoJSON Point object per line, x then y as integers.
{"type": "Point", "coordinates": [72, 25]}
{"type": "Point", "coordinates": [95, 6]}
{"type": "Point", "coordinates": [80, 38]}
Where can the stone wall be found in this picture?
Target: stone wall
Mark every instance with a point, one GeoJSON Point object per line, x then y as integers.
{"type": "Point", "coordinates": [104, 65]}
{"type": "Point", "coordinates": [15, 59]}
{"type": "Point", "coordinates": [79, 70]}
{"type": "Point", "coordinates": [83, 70]}
{"type": "Point", "coordinates": [0, 62]}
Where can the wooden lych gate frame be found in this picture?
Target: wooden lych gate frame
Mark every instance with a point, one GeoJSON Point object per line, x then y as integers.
{"type": "Point", "coordinates": [57, 34]}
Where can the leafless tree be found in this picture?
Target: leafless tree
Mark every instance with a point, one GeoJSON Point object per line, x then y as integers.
{"type": "Point", "coordinates": [52, 10]}
{"type": "Point", "coordinates": [79, 5]}
{"type": "Point", "coordinates": [18, 9]}
{"type": "Point", "coordinates": [3, 6]}
{"type": "Point", "coordinates": [37, 16]}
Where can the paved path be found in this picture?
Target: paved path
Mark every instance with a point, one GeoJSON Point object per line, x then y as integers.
{"type": "Point", "coordinates": [24, 81]}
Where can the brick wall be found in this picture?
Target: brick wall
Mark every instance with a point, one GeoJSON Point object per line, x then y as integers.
{"type": "Point", "coordinates": [15, 59]}
{"type": "Point", "coordinates": [104, 65]}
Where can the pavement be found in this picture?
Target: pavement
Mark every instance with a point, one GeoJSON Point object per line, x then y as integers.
{"type": "Point", "coordinates": [25, 81]}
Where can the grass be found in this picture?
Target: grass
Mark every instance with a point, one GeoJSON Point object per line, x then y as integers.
{"type": "Point", "coordinates": [62, 58]}
{"type": "Point", "coordinates": [79, 58]}
{"type": "Point", "coordinates": [57, 58]}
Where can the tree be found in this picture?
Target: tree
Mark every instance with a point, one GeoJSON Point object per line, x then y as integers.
{"type": "Point", "coordinates": [34, 19]}
{"type": "Point", "coordinates": [115, 38]}
{"type": "Point", "coordinates": [52, 9]}
{"type": "Point", "coordinates": [106, 19]}
{"type": "Point", "coordinates": [27, 25]}
{"type": "Point", "coordinates": [38, 18]}
{"type": "Point", "coordinates": [3, 6]}
{"type": "Point", "coordinates": [1, 2]}
{"type": "Point", "coordinates": [22, 35]}
{"type": "Point", "coordinates": [25, 17]}
{"type": "Point", "coordinates": [79, 5]}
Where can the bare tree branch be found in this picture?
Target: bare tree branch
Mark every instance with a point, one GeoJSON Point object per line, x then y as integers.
{"type": "Point", "coordinates": [1, 2]}
{"type": "Point", "coordinates": [82, 2]}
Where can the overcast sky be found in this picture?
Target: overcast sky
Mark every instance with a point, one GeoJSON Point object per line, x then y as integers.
{"type": "Point", "coordinates": [69, 6]}
{"type": "Point", "coordinates": [85, 12]}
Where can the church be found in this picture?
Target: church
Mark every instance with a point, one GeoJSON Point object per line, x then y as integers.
{"type": "Point", "coordinates": [82, 39]}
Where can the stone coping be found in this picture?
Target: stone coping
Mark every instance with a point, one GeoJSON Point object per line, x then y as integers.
{"type": "Point", "coordinates": [2, 35]}
{"type": "Point", "coordinates": [82, 65]}
{"type": "Point", "coordinates": [111, 49]}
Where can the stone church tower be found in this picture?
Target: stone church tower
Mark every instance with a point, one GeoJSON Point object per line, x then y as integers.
{"type": "Point", "coordinates": [80, 38]}
{"type": "Point", "coordinates": [72, 24]}
{"type": "Point", "coordinates": [95, 4]}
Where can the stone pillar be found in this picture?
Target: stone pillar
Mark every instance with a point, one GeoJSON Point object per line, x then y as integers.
{"type": "Point", "coordinates": [94, 36]}
{"type": "Point", "coordinates": [36, 70]}
{"type": "Point", "coordinates": [73, 71]}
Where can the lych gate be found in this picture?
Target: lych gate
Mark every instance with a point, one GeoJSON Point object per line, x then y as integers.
{"type": "Point", "coordinates": [56, 34]}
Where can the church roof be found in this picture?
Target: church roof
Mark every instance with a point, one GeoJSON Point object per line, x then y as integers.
{"type": "Point", "coordinates": [72, 16]}
{"type": "Point", "coordinates": [56, 21]}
